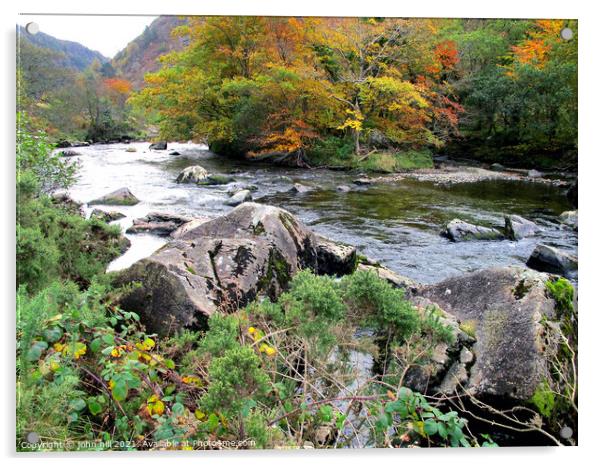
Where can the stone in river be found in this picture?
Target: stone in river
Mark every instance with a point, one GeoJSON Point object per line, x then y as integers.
{"type": "Point", "coordinates": [458, 230]}
{"type": "Point", "coordinates": [518, 227]}
{"type": "Point", "coordinates": [161, 145]}
{"type": "Point", "coordinates": [121, 196]}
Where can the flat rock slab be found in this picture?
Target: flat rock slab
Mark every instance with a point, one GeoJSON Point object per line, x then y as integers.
{"type": "Point", "coordinates": [159, 223]}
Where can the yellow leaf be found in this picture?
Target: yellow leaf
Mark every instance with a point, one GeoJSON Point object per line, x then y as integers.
{"type": "Point", "coordinates": [80, 350]}
{"type": "Point", "coordinates": [154, 405]}
{"type": "Point", "coordinates": [200, 415]}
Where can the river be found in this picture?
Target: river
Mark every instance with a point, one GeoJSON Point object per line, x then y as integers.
{"type": "Point", "coordinates": [396, 224]}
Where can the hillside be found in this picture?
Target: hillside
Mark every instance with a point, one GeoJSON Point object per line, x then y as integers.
{"type": "Point", "coordinates": [72, 54]}
{"type": "Point", "coordinates": [141, 55]}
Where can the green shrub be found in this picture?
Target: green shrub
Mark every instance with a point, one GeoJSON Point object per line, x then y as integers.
{"type": "Point", "coordinates": [563, 293]}
{"type": "Point", "coordinates": [222, 335]}
{"type": "Point", "coordinates": [53, 243]}
{"type": "Point", "coordinates": [312, 306]}
{"type": "Point", "coordinates": [235, 379]}
{"type": "Point", "coordinates": [331, 151]}
{"type": "Point", "coordinates": [379, 304]}
{"type": "Point", "coordinates": [390, 162]}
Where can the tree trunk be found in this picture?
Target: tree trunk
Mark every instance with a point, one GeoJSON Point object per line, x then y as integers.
{"type": "Point", "coordinates": [356, 139]}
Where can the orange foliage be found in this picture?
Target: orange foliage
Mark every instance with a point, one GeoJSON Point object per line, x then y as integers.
{"type": "Point", "coordinates": [536, 49]}
{"type": "Point", "coordinates": [119, 85]}
{"type": "Point", "coordinates": [447, 54]}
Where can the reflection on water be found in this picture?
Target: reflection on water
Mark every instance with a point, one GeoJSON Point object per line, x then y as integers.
{"type": "Point", "coordinates": [396, 224]}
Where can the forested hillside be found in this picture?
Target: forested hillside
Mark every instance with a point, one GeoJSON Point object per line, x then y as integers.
{"type": "Point", "coordinates": [69, 54]}
{"type": "Point", "coordinates": [71, 91]}
{"type": "Point", "coordinates": [141, 56]}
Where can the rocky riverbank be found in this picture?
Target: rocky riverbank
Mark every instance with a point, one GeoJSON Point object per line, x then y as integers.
{"type": "Point", "coordinates": [458, 174]}
{"type": "Point", "coordinates": [501, 316]}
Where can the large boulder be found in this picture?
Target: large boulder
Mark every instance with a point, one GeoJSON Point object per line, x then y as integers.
{"type": "Point", "coordinates": [507, 311]}
{"type": "Point", "coordinates": [121, 196]}
{"type": "Point", "coordinates": [570, 218]}
{"type": "Point", "coordinates": [518, 227]}
{"type": "Point", "coordinates": [458, 230]}
{"type": "Point", "coordinates": [158, 223]}
{"type": "Point", "coordinates": [221, 264]}
{"type": "Point", "coordinates": [161, 145]}
{"type": "Point", "coordinates": [549, 259]}
{"type": "Point", "coordinates": [239, 197]}
{"type": "Point", "coordinates": [193, 174]}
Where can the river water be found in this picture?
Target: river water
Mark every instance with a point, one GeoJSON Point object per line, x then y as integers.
{"type": "Point", "coordinates": [396, 224]}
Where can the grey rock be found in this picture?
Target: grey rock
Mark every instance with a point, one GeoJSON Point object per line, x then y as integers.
{"type": "Point", "coordinates": [221, 264]}
{"type": "Point", "coordinates": [343, 188]}
{"type": "Point", "coordinates": [335, 258]}
{"type": "Point", "coordinates": [497, 167]}
{"type": "Point", "coordinates": [239, 198]}
{"type": "Point", "coordinates": [131, 149]}
{"type": "Point", "coordinates": [517, 227]}
{"type": "Point", "coordinates": [570, 218]}
{"type": "Point", "coordinates": [398, 281]}
{"type": "Point", "coordinates": [549, 259]}
{"type": "Point", "coordinates": [300, 188]}
{"type": "Point", "coordinates": [507, 308]}
{"type": "Point", "coordinates": [458, 230]}
{"type": "Point", "coordinates": [213, 180]}
{"type": "Point", "coordinates": [441, 371]}
{"type": "Point", "coordinates": [466, 356]}
{"type": "Point", "coordinates": [158, 223]}
{"type": "Point", "coordinates": [363, 181]}
{"type": "Point", "coordinates": [186, 227]}
{"type": "Point", "coordinates": [174, 152]}
{"type": "Point", "coordinates": [69, 153]}
{"type": "Point", "coordinates": [110, 216]}
{"type": "Point", "coordinates": [121, 196]}
{"type": "Point", "coordinates": [192, 174]}
{"type": "Point", "coordinates": [534, 174]}
{"type": "Point", "coordinates": [249, 187]}
{"type": "Point", "coordinates": [161, 145]}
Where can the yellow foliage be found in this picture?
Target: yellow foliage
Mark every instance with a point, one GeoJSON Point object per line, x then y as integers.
{"type": "Point", "coordinates": [155, 406]}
